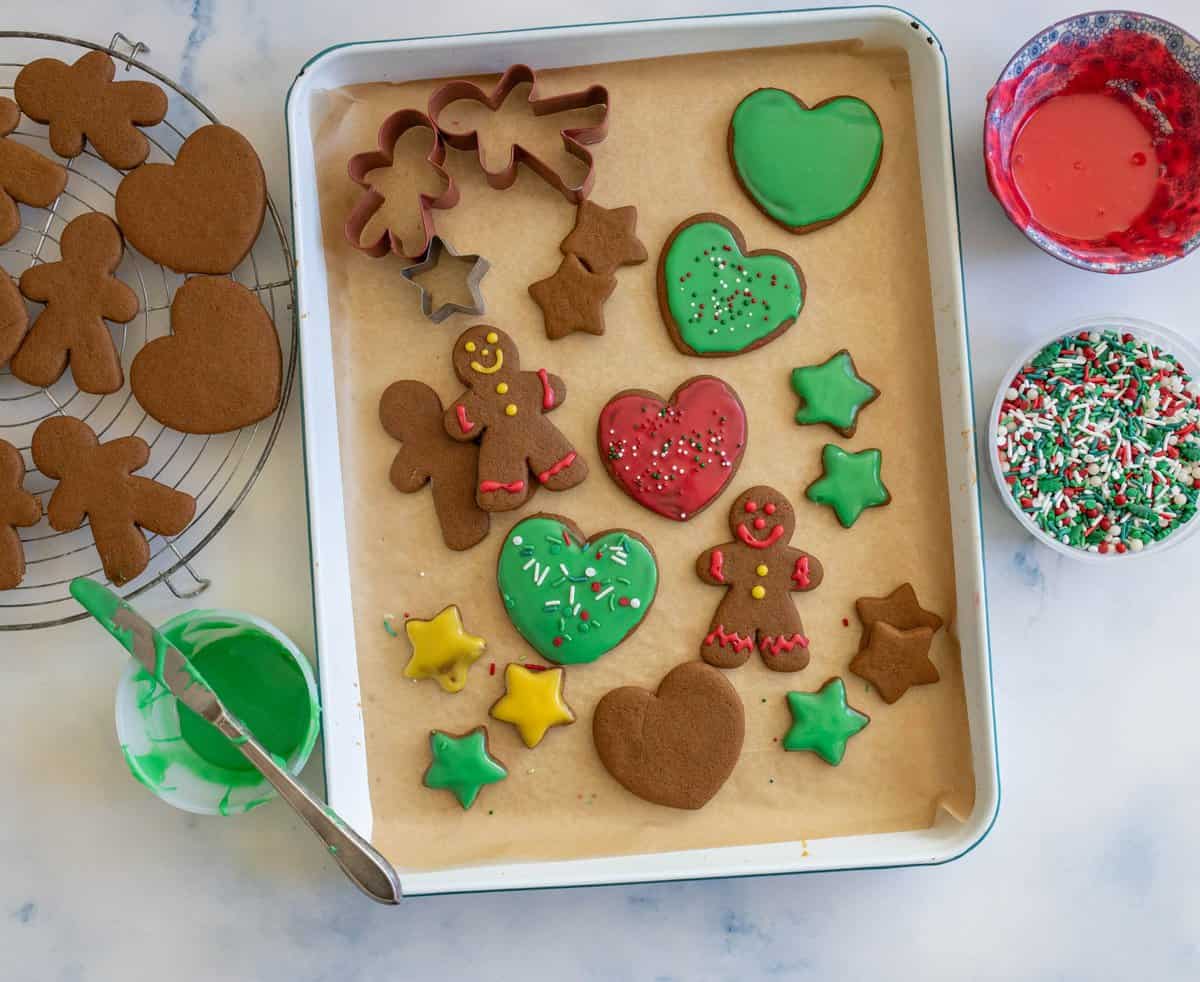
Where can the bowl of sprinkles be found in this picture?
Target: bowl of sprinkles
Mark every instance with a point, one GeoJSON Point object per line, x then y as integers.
{"type": "Point", "coordinates": [1097, 439]}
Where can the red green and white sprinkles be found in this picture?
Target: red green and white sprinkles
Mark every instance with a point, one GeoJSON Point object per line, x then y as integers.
{"type": "Point", "coordinates": [1099, 441]}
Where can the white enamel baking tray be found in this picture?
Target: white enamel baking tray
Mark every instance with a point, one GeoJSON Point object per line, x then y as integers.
{"type": "Point", "coordinates": [429, 57]}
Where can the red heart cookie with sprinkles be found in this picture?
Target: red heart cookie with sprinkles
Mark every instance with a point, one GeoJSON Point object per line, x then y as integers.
{"type": "Point", "coordinates": [674, 456]}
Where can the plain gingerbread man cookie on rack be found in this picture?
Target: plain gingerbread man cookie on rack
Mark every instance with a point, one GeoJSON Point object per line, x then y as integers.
{"type": "Point", "coordinates": [25, 175]}
{"type": "Point", "coordinates": [18, 509]}
{"type": "Point", "coordinates": [504, 408]}
{"type": "Point", "coordinates": [96, 481]}
{"type": "Point", "coordinates": [760, 571]}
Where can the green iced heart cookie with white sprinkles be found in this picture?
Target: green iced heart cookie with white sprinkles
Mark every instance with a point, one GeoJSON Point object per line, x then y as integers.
{"type": "Point", "coordinates": [574, 599]}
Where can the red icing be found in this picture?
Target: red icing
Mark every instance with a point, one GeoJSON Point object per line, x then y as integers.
{"type": "Point", "coordinates": [716, 566]}
{"type": "Point", "coordinates": [760, 523]}
{"type": "Point", "coordinates": [547, 390]}
{"type": "Point", "coordinates": [774, 645]}
{"type": "Point", "coordinates": [1147, 73]}
{"type": "Point", "coordinates": [745, 535]}
{"type": "Point", "coordinates": [515, 487]}
{"type": "Point", "coordinates": [800, 574]}
{"type": "Point", "coordinates": [721, 638]}
{"type": "Point", "coordinates": [562, 465]}
{"type": "Point", "coordinates": [751, 506]}
{"type": "Point", "coordinates": [770, 508]}
{"type": "Point", "coordinates": [464, 424]}
{"type": "Point", "coordinates": [674, 457]}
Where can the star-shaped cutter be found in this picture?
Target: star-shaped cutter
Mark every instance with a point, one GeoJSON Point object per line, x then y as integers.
{"type": "Point", "coordinates": [433, 255]}
{"type": "Point", "coordinates": [361, 164]}
{"type": "Point", "coordinates": [575, 139]}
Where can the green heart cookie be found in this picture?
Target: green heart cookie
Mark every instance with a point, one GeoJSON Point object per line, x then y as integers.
{"type": "Point", "coordinates": [804, 167]}
{"type": "Point", "coordinates": [718, 299]}
{"type": "Point", "coordinates": [573, 599]}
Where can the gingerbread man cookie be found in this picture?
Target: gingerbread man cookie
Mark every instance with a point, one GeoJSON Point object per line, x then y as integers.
{"type": "Point", "coordinates": [18, 508]}
{"type": "Point", "coordinates": [81, 101]}
{"type": "Point", "coordinates": [96, 481]}
{"type": "Point", "coordinates": [504, 408]}
{"type": "Point", "coordinates": [760, 570]}
{"type": "Point", "coordinates": [25, 175]}
{"type": "Point", "coordinates": [79, 292]}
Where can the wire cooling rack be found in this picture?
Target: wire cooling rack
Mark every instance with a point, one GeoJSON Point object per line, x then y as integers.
{"type": "Point", "coordinates": [218, 471]}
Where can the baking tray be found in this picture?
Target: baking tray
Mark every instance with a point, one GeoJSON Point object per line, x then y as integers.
{"type": "Point", "coordinates": [550, 47]}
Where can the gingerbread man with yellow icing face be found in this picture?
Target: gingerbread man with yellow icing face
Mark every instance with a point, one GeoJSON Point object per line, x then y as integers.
{"type": "Point", "coordinates": [504, 408]}
{"type": "Point", "coordinates": [760, 571]}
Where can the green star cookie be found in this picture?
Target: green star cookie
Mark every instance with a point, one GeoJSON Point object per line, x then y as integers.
{"type": "Point", "coordinates": [462, 764]}
{"type": "Point", "coordinates": [850, 484]}
{"type": "Point", "coordinates": [822, 722]}
{"type": "Point", "coordinates": [832, 393]}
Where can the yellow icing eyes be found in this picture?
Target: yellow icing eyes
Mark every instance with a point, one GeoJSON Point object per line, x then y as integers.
{"type": "Point", "coordinates": [502, 388]}
{"type": "Point", "coordinates": [492, 337]}
{"type": "Point", "coordinates": [470, 345]}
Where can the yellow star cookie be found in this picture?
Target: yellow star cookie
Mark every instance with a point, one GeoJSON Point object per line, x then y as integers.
{"type": "Point", "coordinates": [533, 702]}
{"type": "Point", "coordinates": [442, 649]}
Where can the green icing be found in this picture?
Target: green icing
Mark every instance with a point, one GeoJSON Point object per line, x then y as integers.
{"type": "Point", "coordinates": [721, 301]}
{"type": "Point", "coordinates": [256, 678]}
{"type": "Point", "coordinates": [850, 484]}
{"type": "Point", "coordinates": [150, 769]}
{"type": "Point", "coordinates": [831, 392]}
{"type": "Point", "coordinates": [462, 765]}
{"type": "Point", "coordinates": [574, 600]}
{"type": "Point", "coordinates": [822, 722]}
{"type": "Point", "coordinates": [804, 166]}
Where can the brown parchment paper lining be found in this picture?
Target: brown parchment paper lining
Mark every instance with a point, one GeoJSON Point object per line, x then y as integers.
{"type": "Point", "coordinates": [868, 290]}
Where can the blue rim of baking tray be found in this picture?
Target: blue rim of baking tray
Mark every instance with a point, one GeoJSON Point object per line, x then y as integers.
{"type": "Point", "coordinates": [917, 24]}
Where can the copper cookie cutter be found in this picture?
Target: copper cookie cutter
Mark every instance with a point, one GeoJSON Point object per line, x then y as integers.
{"type": "Point", "coordinates": [575, 139]}
{"type": "Point", "coordinates": [361, 164]}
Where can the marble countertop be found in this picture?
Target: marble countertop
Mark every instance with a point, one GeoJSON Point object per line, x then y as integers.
{"type": "Point", "coordinates": [1090, 871]}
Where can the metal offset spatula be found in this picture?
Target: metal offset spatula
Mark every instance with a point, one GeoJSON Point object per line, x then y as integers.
{"type": "Point", "coordinates": [366, 867]}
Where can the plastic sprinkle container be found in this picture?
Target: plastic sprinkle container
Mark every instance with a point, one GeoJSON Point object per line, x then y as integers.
{"type": "Point", "coordinates": [1095, 439]}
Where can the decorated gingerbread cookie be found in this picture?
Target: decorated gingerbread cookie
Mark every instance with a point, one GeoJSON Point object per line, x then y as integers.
{"type": "Point", "coordinates": [96, 481]}
{"type": "Point", "coordinates": [411, 412]}
{"type": "Point", "coordinates": [804, 167]}
{"type": "Point", "coordinates": [219, 369]}
{"type": "Point", "coordinates": [533, 701]}
{"type": "Point", "coordinates": [442, 649]}
{"type": "Point", "coordinates": [718, 299]}
{"type": "Point", "coordinates": [674, 456]}
{"type": "Point", "coordinates": [505, 409]}
{"type": "Point", "coordinates": [850, 484]}
{"type": "Point", "coordinates": [822, 722]}
{"type": "Point", "coordinates": [832, 393]}
{"type": "Point", "coordinates": [676, 746]}
{"type": "Point", "coordinates": [18, 509]}
{"type": "Point", "coordinates": [25, 175]}
{"type": "Point", "coordinates": [201, 214]}
{"type": "Point", "coordinates": [462, 765]}
{"type": "Point", "coordinates": [574, 598]}
{"type": "Point", "coordinates": [759, 570]}
{"type": "Point", "coordinates": [82, 102]}
{"type": "Point", "coordinates": [80, 293]}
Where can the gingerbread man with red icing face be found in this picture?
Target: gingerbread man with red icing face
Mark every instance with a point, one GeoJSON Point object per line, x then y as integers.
{"type": "Point", "coordinates": [760, 571]}
{"type": "Point", "coordinates": [504, 408]}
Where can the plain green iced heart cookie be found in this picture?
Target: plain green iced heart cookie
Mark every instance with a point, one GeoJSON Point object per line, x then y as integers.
{"type": "Point", "coordinates": [804, 167]}
{"type": "Point", "coordinates": [718, 299]}
{"type": "Point", "coordinates": [574, 599]}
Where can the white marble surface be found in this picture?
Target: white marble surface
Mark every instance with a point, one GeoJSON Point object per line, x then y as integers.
{"type": "Point", "coordinates": [1091, 871]}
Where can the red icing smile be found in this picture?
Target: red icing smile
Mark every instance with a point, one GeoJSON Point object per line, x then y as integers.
{"type": "Point", "coordinates": [747, 536]}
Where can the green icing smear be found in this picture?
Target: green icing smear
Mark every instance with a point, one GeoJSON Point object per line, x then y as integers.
{"type": "Point", "coordinates": [805, 166]}
{"type": "Point", "coordinates": [723, 302]}
{"type": "Point", "coordinates": [574, 601]}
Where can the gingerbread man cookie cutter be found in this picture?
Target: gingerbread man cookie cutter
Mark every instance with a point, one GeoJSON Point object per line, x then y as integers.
{"type": "Point", "coordinates": [362, 164]}
{"type": "Point", "coordinates": [575, 139]}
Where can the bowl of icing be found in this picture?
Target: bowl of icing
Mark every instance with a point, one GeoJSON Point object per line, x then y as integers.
{"type": "Point", "coordinates": [260, 676]}
{"type": "Point", "coordinates": [1092, 141]}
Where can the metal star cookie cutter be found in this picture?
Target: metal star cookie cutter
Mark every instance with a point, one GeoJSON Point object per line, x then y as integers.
{"type": "Point", "coordinates": [433, 255]}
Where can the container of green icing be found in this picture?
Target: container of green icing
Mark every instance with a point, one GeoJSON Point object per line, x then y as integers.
{"type": "Point", "coordinates": [260, 676]}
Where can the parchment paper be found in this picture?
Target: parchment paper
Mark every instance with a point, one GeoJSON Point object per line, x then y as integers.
{"type": "Point", "coordinates": [868, 290]}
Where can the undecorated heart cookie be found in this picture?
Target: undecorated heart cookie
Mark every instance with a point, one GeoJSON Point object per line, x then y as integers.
{"type": "Point", "coordinates": [201, 214]}
{"type": "Point", "coordinates": [804, 167]}
{"type": "Point", "coordinates": [676, 746]}
{"type": "Point", "coordinates": [572, 598]}
{"type": "Point", "coordinates": [674, 456]}
{"type": "Point", "coordinates": [717, 298]}
{"type": "Point", "coordinates": [220, 369]}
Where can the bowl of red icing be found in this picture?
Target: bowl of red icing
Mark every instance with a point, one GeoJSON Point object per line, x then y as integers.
{"type": "Point", "coordinates": [1091, 141]}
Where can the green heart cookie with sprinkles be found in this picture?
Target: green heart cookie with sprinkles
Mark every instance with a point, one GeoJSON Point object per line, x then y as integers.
{"type": "Point", "coordinates": [719, 299]}
{"type": "Point", "coordinates": [804, 168]}
{"type": "Point", "coordinates": [575, 599]}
